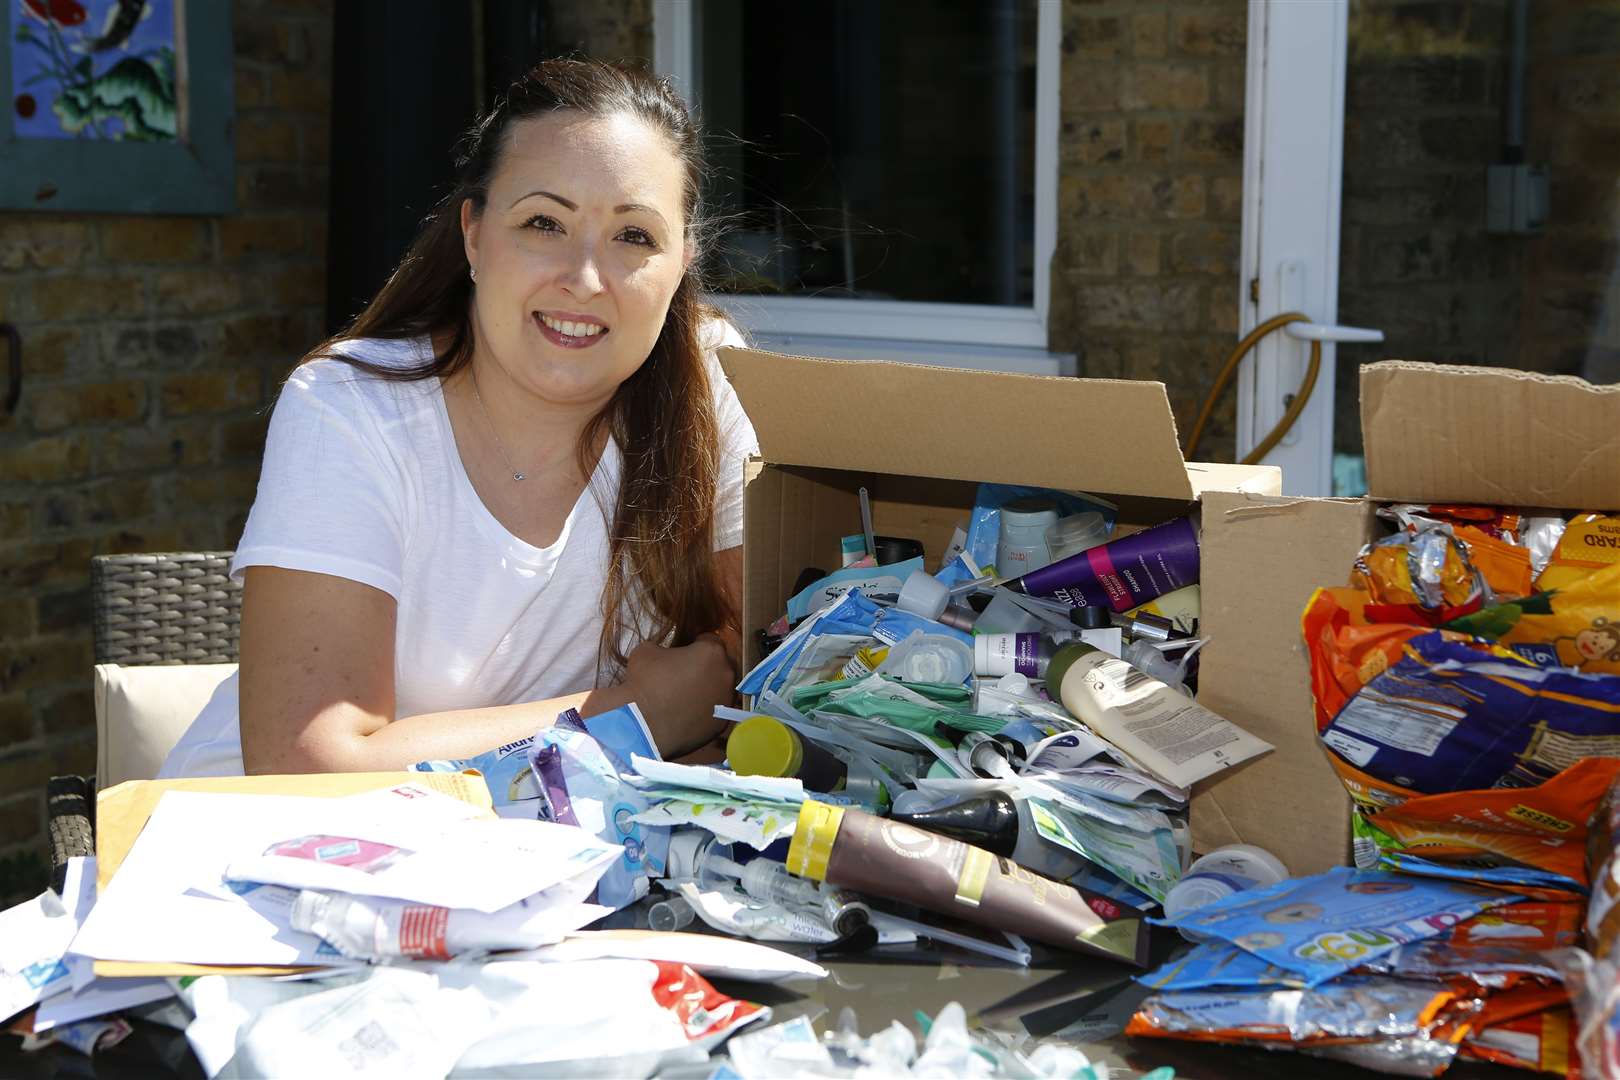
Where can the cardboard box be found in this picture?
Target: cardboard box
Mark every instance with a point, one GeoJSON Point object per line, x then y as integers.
{"type": "Point", "coordinates": [920, 439]}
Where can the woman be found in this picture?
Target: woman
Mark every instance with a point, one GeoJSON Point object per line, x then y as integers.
{"type": "Point", "coordinates": [513, 485]}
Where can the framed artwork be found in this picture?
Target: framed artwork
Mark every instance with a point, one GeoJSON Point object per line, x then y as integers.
{"type": "Point", "coordinates": [122, 106]}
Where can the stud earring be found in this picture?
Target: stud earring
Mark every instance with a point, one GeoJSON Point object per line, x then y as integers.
{"type": "Point", "coordinates": [472, 272]}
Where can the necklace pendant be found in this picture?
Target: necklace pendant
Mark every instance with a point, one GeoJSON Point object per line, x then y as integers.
{"type": "Point", "coordinates": [518, 476]}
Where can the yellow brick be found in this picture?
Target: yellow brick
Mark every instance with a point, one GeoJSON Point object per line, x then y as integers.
{"type": "Point", "coordinates": [153, 240]}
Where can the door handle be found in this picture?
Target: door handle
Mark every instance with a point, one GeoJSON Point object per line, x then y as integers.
{"type": "Point", "coordinates": [1309, 331]}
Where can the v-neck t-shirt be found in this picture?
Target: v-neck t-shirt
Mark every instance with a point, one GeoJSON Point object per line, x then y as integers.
{"type": "Point", "coordinates": [362, 480]}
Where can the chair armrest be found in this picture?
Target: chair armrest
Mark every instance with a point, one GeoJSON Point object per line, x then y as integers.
{"type": "Point", "coordinates": [70, 807]}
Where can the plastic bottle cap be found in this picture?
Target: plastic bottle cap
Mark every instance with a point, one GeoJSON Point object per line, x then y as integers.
{"type": "Point", "coordinates": [924, 595]}
{"type": "Point", "coordinates": [764, 746]}
{"type": "Point", "coordinates": [1197, 890]}
{"type": "Point", "coordinates": [1242, 860]}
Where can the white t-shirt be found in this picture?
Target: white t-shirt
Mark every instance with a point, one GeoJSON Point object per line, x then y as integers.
{"type": "Point", "coordinates": [362, 480]}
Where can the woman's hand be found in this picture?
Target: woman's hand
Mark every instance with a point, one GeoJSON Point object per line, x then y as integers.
{"type": "Point", "coordinates": [677, 690]}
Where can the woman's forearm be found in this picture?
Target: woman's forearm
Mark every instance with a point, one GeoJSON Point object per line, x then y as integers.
{"type": "Point", "coordinates": [461, 733]}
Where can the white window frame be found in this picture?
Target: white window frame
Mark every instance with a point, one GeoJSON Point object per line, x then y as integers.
{"type": "Point", "coordinates": [980, 334]}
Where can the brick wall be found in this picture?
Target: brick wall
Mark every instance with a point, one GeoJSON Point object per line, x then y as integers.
{"type": "Point", "coordinates": [152, 346]}
{"type": "Point", "coordinates": [1144, 281]}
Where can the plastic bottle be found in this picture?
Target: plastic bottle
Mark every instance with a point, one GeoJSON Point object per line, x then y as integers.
{"type": "Point", "coordinates": [1021, 545]}
{"type": "Point", "coordinates": [764, 746]}
{"type": "Point", "coordinates": [1001, 825]}
{"type": "Point", "coordinates": [995, 655]}
{"type": "Point", "coordinates": [1172, 736]}
{"type": "Point", "coordinates": [1221, 873]}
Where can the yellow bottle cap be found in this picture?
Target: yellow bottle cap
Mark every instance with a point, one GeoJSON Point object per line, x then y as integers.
{"type": "Point", "coordinates": [762, 746]}
{"type": "Point", "coordinates": [813, 838]}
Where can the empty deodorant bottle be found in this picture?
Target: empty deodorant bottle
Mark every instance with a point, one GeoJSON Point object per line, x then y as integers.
{"type": "Point", "coordinates": [764, 746]}
{"type": "Point", "coordinates": [1001, 825]}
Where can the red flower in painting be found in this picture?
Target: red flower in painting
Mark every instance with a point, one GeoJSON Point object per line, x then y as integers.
{"type": "Point", "coordinates": [61, 12]}
{"type": "Point", "coordinates": [26, 105]}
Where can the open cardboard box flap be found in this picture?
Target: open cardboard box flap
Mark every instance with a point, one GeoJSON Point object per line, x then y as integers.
{"type": "Point", "coordinates": [1441, 433]}
{"type": "Point", "coordinates": [1115, 437]}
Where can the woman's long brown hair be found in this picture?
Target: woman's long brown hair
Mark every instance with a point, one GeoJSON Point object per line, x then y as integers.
{"type": "Point", "coordinates": [662, 581]}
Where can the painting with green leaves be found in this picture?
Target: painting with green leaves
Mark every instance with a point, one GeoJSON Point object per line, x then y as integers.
{"type": "Point", "coordinates": [117, 105]}
{"type": "Point", "coordinates": [83, 72]}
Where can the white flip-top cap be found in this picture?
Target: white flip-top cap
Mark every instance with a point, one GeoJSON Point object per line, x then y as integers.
{"type": "Point", "coordinates": [924, 595]}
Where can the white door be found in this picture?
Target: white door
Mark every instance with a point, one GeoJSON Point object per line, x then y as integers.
{"type": "Point", "coordinates": [1293, 147]}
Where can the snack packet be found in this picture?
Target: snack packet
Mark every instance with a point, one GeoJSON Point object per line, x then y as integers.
{"type": "Point", "coordinates": [1424, 574]}
{"type": "Point", "coordinates": [1582, 629]}
{"type": "Point", "coordinates": [1540, 1042]}
{"type": "Point", "coordinates": [1454, 715]}
{"type": "Point", "coordinates": [1589, 542]}
{"type": "Point", "coordinates": [1326, 924]}
{"type": "Point", "coordinates": [1602, 923]}
{"type": "Point", "coordinates": [1544, 827]}
{"type": "Point", "coordinates": [1217, 964]}
{"type": "Point", "coordinates": [1356, 1007]}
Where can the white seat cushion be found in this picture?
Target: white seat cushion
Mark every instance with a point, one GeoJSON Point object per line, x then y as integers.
{"type": "Point", "coordinates": [142, 711]}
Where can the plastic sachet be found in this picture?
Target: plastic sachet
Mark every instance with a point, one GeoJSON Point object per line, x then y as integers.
{"type": "Point", "coordinates": [1213, 965]}
{"type": "Point", "coordinates": [852, 615]}
{"type": "Point", "coordinates": [829, 590]}
{"type": "Point", "coordinates": [1412, 1055]}
{"type": "Point", "coordinates": [1494, 950]}
{"type": "Point", "coordinates": [579, 763]}
{"type": "Point", "coordinates": [984, 525]}
{"type": "Point", "coordinates": [1135, 844]}
{"type": "Point", "coordinates": [923, 707]}
{"type": "Point", "coordinates": [1354, 1007]}
{"type": "Point", "coordinates": [513, 788]}
{"type": "Point", "coordinates": [1324, 925]}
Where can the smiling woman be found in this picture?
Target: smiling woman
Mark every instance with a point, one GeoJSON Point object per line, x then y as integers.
{"type": "Point", "coordinates": [513, 485]}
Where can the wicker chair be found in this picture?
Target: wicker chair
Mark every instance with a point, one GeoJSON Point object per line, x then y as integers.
{"type": "Point", "coordinates": [169, 608]}
{"type": "Point", "coordinates": [172, 608]}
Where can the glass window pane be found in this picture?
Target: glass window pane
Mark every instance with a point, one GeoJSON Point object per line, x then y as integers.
{"type": "Point", "coordinates": [872, 148]}
{"type": "Point", "coordinates": [1429, 112]}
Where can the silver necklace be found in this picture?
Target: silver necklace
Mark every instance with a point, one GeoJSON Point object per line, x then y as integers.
{"type": "Point", "coordinates": [500, 446]}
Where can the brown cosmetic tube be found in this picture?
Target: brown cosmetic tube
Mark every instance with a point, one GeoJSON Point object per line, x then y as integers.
{"type": "Point", "coordinates": [853, 849]}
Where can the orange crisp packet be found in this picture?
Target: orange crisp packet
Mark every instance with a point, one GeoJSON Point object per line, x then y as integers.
{"type": "Point", "coordinates": [1543, 826]}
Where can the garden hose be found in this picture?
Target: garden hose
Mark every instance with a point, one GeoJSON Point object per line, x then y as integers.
{"type": "Point", "coordinates": [1301, 397]}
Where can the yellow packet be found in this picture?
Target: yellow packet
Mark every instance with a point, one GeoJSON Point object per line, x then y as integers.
{"type": "Point", "coordinates": [1583, 629]}
{"type": "Point", "coordinates": [1590, 542]}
